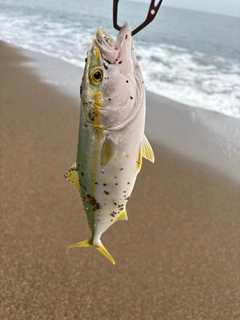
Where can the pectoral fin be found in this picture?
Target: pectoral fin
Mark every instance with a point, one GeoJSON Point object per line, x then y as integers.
{"type": "Point", "coordinates": [72, 176]}
{"type": "Point", "coordinates": [147, 151]}
{"type": "Point", "coordinates": [107, 152]}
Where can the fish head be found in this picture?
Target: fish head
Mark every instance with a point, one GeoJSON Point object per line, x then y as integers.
{"type": "Point", "coordinates": [112, 83]}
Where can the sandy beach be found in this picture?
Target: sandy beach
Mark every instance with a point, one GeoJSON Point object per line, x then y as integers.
{"type": "Point", "coordinates": [178, 256]}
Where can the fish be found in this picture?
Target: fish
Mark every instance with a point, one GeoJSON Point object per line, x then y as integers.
{"type": "Point", "coordinates": [111, 140]}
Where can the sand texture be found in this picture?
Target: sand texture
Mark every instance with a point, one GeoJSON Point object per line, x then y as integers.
{"type": "Point", "coordinates": [178, 256]}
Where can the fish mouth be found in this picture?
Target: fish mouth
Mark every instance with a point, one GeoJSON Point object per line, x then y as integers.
{"type": "Point", "coordinates": [111, 49]}
{"type": "Point", "coordinates": [104, 39]}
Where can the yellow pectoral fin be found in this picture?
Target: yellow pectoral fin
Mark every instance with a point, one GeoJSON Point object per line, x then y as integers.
{"type": "Point", "coordinates": [100, 247]}
{"type": "Point", "coordinates": [107, 151]}
{"type": "Point", "coordinates": [72, 176]}
{"type": "Point", "coordinates": [147, 151]}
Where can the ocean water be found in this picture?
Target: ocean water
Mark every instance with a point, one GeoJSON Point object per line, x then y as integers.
{"type": "Point", "coordinates": [190, 57]}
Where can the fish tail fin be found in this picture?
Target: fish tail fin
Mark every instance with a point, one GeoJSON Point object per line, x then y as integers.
{"type": "Point", "coordinates": [100, 247]}
{"type": "Point", "coordinates": [85, 243]}
{"type": "Point", "coordinates": [104, 251]}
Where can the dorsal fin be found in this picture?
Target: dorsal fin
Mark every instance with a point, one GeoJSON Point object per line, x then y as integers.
{"type": "Point", "coordinates": [147, 151]}
{"type": "Point", "coordinates": [72, 176]}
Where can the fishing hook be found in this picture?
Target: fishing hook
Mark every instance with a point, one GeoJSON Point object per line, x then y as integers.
{"type": "Point", "coordinates": [152, 12]}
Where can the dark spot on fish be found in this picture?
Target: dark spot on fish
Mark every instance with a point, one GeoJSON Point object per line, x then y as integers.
{"type": "Point", "coordinates": [85, 59]}
{"type": "Point", "coordinates": [128, 183]}
{"type": "Point", "coordinates": [126, 36]}
{"type": "Point", "coordinates": [82, 173]}
{"type": "Point", "coordinates": [107, 192]}
{"type": "Point", "coordinates": [93, 202]}
{"type": "Point", "coordinates": [92, 115]}
{"type": "Point", "coordinates": [115, 203]}
{"type": "Point", "coordinates": [127, 198]}
{"type": "Point", "coordinates": [131, 97]}
{"type": "Point", "coordinates": [109, 99]}
{"type": "Point", "coordinates": [120, 62]}
{"type": "Point", "coordinates": [86, 124]}
{"type": "Point", "coordinates": [127, 81]}
{"type": "Point", "coordinates": [115, 177]}
{"type": "Point", "coordinates": [102, 171]}
{"type": "Point", "coordinates": [116, 60]}
{"type": "Point", "coordinates": [104, 184]}
{"type": "Point", "coordinates": [113, 214]}
{"type": "Point", "coordinates": [121, 169]}
{"type": "Point", "coordinates": [82, 185]}
{"type": "Point", "coordinates": [105, 67]}
{"type": "Point", "coordinates": [95, 182]}
{"type": "Point", "coordinates": [116, 184]}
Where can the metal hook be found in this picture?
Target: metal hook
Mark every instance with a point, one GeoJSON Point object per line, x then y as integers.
{"type": "Point", "coordinates": [152, 11]}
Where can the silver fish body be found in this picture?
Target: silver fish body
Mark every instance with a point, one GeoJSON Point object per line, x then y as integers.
{"type": "Point", "coordinates": [111, 140]}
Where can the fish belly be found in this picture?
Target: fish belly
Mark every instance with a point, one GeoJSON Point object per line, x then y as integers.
{"type": "Point", "coordinates": [105, 189]}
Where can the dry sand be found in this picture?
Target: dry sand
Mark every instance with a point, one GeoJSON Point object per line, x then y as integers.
{"type": "Point", "coordinates": [178, 256]}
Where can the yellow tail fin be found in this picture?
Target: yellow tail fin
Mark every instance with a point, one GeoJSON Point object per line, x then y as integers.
{"type": "Point", "coordinates": [100, 247]}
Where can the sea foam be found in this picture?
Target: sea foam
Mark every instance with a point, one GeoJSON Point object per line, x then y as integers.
{"type": "Point", "coordinates": [191, 77]}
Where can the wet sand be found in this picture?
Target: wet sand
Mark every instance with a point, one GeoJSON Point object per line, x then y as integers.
{"type": "Point", "coordinates": [178, 256]}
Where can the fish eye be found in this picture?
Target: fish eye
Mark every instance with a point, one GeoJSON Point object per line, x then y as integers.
{"type": "Point", "coordinates": [96, 75]}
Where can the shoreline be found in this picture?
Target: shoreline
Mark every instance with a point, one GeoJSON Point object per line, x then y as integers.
{"type": "Point", "coordinates": [177, 257]}
{"type": "Point", "coordinates": [205, 136]}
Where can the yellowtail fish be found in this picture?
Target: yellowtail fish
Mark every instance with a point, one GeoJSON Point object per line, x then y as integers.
{"type": "Point", "coordinates": [111, 140]}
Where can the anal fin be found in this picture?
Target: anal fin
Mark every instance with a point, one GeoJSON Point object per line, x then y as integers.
{"type": "Point", "coordinates": [122, 216]}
